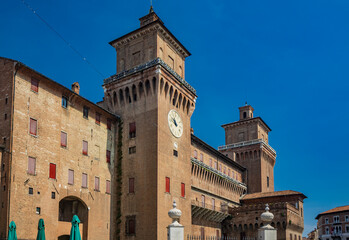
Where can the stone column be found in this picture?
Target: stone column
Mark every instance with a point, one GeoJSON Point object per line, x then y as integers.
{"type": "Point", "coordinates": [175, 231]}
{"type": "Point", "coordinates": [267, 232]}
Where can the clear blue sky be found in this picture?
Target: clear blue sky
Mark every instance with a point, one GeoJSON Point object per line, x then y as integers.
{"type": "Point", "coordinates": [288, 59]}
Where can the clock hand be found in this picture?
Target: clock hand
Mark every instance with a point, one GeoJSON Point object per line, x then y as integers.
{"type": "Point", "coordinates": [174, 121]}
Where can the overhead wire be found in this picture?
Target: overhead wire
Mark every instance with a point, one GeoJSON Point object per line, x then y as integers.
{"type": "Point", "coordinates": [61, 37]}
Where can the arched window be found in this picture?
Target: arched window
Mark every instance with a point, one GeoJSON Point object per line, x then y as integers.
{"type": "Point", "coordinates": [244, 114]}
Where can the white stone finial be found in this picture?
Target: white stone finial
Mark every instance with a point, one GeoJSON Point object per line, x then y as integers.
{"type": "Point", "coordinates": [174, 213]}
{"type": "Point", "coordinates": [267, 216]}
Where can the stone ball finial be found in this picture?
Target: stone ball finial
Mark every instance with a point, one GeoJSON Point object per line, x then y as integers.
{"type": "Point", "coordinates": [267, 216]}
{"type": "Point", "coordinates": [174, 213]}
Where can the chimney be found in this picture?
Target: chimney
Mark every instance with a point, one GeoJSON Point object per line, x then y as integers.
{"type": "Point", "coordinates": [75, 87]}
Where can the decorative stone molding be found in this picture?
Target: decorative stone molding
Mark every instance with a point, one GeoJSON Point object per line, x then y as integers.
{"type": "Point", "coordinates": [157, 61]}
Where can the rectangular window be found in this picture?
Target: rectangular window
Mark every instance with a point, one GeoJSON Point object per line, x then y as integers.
{"type": "Point", "coordinates": [195, 154]}
{"type": "Point", "coordinates": [33, 127]}
{"type": "Point", "coordinates": [108, 156]}
{"type": "Point", "coordinates": [131, 225]}
{"type": "Point", "coordinates": [132, 130]}
{"type": "Point", "coordinates": [167, 184]}
{"type": "Point", "coordinates": [201, 157]}
{"type": "Point", "coordinates": [63, 139]}
{"type": "Point", "coordinates": [220, 167]}
{"type": "Point", "coordinates": [132, 150]}
{"type": "Point", "coordinates": [107, 184]}
{"type": "Point", "coordinates": [267, 181]}
{"type": "Point", "coordinates": [182, 190]}
{"type": "Point", "coordinates": [213, 204]}
{"type": "Point", "coordinates": [98, 118]}
{"type": "Point", "coordinates": [175, 153]}
{"type": "Point", "coordinates": [203, 200]}
{"type": "Point", "coordinates": [35, 85]}
{"type": "Point", "coordinates": [327, 230]}
{"type": "Point", "coordinates": [53, 195]}
{"type": "Point", "coordinates": [38, 210]}
{"type": "Point", "coordinates": [97, 183]}
{"type": "Point", "coordinates": [131, 185]}
{"type": "Point", "coordinates": [224, 170]}
{"type": "Point", "coordinates": [347, 228]}
{"type": "Point", "coordinates": [52, 173]}
{"type": "Point", "coordinates": [70, 177]}
{"type": "Point", "coordinates": [347, 218]}
{"type": "Point", "coordinates": [64, 102]}
{"type": "Point", "coordinates": [326, 220]}
{"type": "Point", "coordinates": [31, 165]}
{"type": "Point", "coordinates": [109, 124]}
{"type": "Point", "coordinates": [84, 147]}
{"type": "Point", "coordinates": [336, 219]}
{"type": "Point", "coordinates": [85, 112]}
{"type": "Point", "coordinates": [84, 180]}
{"type": "Point", "coordinates": [31, 191]}
{"type": "Point", "coordinates": [210, 162]}
{"type": "Point", "coordinates": [215, 165]}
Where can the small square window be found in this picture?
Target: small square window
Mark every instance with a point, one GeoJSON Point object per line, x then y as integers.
{"type": "Point", "coordinates": [64, 102]}
{"type": "Point", "coordinates": [132, 150]}
{"type": "Point", "coordinates": [33, 127]}
{"type": "Point", "coordinates": [85, 112]}
{"type": "Point", "coordinates": [132, 130]}
{"type": "Point", "coordinates": [38, 210]}
{"type": "Point", "coordinates": [63, 139]}
{"type": "Point", "coordinates": [84, 180]}
{"type": "Point", "coordinates": [84, 147]}
{"type": "Point", "coordinates": [107, 184]}
{"type": "Point", "coordinates": [53, 195]}
{"type": "Point", "coordinates": [70, 177]}
{"type": "Point", "coordinates": [34, 85]}
{"type": "Point", "coordinates": [31, 191]}
{"type": "Point", "coordinates": [175, 153]}
{"type": "Point", "coordinates": [98, 118]}
{"type": "Point", "coordinates": [96, 183]}
{"type": "Point", "coordinates": [131, 225]}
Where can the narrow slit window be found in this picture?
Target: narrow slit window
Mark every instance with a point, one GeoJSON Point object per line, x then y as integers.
{"type": "Point", "coordinates": [182, 190]}
{"type": "Point", "coordinates": [132, 128]}
{"type": "Point", "coordinates": [70, 177]}
{"type": "Point", "coordinates": [131, 185]}
{"type": "Point", "coordinates": [97, 183]}
{"type": "Point", "coordinates": [108, 156]}
{"type": "Point", "coordinates": [84, 180]}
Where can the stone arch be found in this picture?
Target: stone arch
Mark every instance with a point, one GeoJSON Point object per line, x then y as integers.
{"type": "Point", "coordinates": [255, 154]}
{"type": "Point", "coordinates": [147, 87]}
{"type": "Point", "coordinates": [134, 93]}
{"type": "Point", "coordinates": [256, 225]}
{"type": "Point", "coordinates": [184, 103]}
{"type": "Point", "coordinates": [174, 100]}
{"type": "Point", "coordinates": [70, 206]}
{"type": "Point", "coordinates": [161, 85]}
{"type": "Point", "coordinates": [141, 90]}
{"type": "Point", "coordinates": [166, 89]}
{"type": "Point", "coordinates": [179, 100]}
{"type": "Point", "coordinates": [171, 93]}
{"type": "Point", "coordinates": [115, 99]}
{"type": "Point", "coordinates": [127, 95]}
{"type": "Point", "coordinates": [188, 106]}
{"type": "Point", "coordinates": [121, 97]}
{"type": "Point", "coordinates": [154, 85]}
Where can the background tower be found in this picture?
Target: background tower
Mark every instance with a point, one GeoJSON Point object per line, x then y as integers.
{"type": "Point", "coordinates": [247, 143]}
{"type": "Point", "coordinates": [155, 103]}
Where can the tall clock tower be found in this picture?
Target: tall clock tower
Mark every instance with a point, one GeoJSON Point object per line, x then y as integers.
{"type": "Point", "coordinates": [155, 104]}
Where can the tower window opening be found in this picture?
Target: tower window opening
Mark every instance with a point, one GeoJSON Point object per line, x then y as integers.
{"type": "Point", "coordinates": [244, 114]}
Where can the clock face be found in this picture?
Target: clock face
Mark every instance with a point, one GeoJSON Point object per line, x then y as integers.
{"type": "Point", "coordinates": [175, 123]}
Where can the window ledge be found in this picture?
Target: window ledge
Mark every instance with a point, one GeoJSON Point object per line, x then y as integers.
{"type": "Point", "coordinates": [36, 136]}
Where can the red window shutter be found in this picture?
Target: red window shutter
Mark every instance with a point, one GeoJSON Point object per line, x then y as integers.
{"type": "Point", "coordinates": [63, 139]}
{"type": "Point", "coordinates": [84, 147]}
{"type": "Point", "coordinates": [33, 127]}
{"type": "Point", "coordinates": [107, 186]}
{"type": "Point", "coordinates": [167, 184]}
{"type": "Point", "coordinates": [84, 180]}
{"type": "Point", "coordinates": [35, 85]}
{"type": "Point", "coordinates": [98, 118]}
{"type": "Point", "coordinates": [108, 156]}
{"type": "Point", "coordinates": [97, 183]}
{"type": "Point", "coordinates": [108, 124]}
{"type": "Point", "coordinates": [31, 165]}
{"type": "Point", "coordinates": [131, 185]}
{"type": "Point", "coordinates": [52, 171]}
{"type": "Point", "coordinates": [182, 189]}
